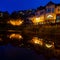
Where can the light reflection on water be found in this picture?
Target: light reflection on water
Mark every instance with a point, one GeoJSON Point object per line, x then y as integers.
{"type": "Point", "coordinates": [35, 41]}
{"type": "Point", "coordinates": [15, 36]}
{"type": "Point", "coordinates": [13, 31]}
{"type": "Point", "coordinates": [50, 44]}
{"type": "Point", "coordinates": [0, 39]}
{"type": "Point", "coordinates": [41, 42]}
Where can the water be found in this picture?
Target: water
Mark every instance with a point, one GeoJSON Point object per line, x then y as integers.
{"type": "Point", "coordinates": [9, 52]}
{"type": "Point", "coordinates": [17, 46]}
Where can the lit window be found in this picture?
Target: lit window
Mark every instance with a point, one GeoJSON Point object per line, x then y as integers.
{"type": "Point", "coordinates": [49, 16]}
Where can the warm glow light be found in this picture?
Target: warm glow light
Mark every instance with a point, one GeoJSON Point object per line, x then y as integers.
{"type": "Point", "coordinates": [37, 20]}
{"type": "Point", "coordinates": [0, 39]}
{"type": "Point", "coordinates": [49, 16]}
{"type": "Point", "coordinates": [49, 45]}
{"type": "Point", "coordinates": [36, 40]}
{"type": "Point", "coordinates": [15, 22]}
{"type": "Point", "coordinates": [15, 36]}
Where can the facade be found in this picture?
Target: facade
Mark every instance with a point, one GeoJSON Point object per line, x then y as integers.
{"type": "Point", "coordinates": [58, 13]}
{"type": "Point", "coordinates": [48, 14]}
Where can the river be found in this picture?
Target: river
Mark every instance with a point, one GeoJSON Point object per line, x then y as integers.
{"type": "Point", "coordinates": [17, 46]}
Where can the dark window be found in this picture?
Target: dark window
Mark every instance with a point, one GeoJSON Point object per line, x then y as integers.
{"type": "Point", "coordinates": [48, 10]}
{"type": "Point", "coordinates": [52, 10]}
{"type": "Point", "coordinates": [58, 17]}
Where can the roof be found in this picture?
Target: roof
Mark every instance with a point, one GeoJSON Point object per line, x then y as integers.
{"type": "Point", "coordinates": [40, 8]}
{"type": "Point", "coordinates": [50, 3]}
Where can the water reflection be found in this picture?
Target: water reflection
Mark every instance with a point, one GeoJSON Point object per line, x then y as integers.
{"type": "Point", "coordinates": [13, 31]}
{"type": "Point", "coordinates": [0, 39]}
{"type": "Point", "coordinates": [15, 36]}
{"type": "Point", "coordinates": [39, 45]}
{"type": "Point", "coordinates": [49, 44]}
{"type": "Point", "coordinates": [36, 40]}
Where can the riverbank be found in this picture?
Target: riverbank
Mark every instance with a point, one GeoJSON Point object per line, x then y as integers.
{"type": "Point", "coordinates": [43, 30]}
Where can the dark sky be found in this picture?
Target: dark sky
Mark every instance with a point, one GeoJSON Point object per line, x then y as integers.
{"type": "Point", "coordinates": [11, 5]}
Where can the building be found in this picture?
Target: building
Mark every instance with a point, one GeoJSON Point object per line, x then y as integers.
{"type": "Point", "coordinates": [57, 12]}
{"type": "Point", "coordinates": [50, 13]}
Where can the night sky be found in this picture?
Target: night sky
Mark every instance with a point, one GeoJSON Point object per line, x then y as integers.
{"type": "Point", "coordinates": [15, 5]}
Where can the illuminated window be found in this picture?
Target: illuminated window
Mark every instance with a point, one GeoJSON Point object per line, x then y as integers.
{"type": "Point", "coordinates": [49, 16]}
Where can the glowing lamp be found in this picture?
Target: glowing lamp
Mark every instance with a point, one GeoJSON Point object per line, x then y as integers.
{"type": "Point", "coordinates": [15, 22]}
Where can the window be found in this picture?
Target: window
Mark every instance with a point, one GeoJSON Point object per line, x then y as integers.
{"type": "Point", "coordinates": [58, 9]}
{"type": "Point", "coordinates": [58, 19]}
{"type": "Point", "coordinates": [52, 10]}
{"type": "Point", "coordinates": [49, 16]}
{"type": "Point", "coordinates": [48, 10]}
